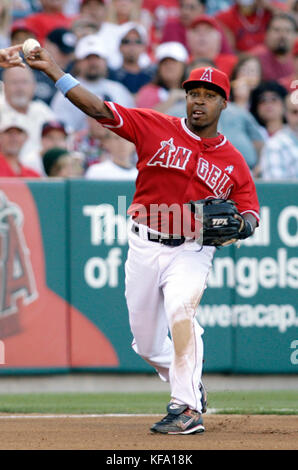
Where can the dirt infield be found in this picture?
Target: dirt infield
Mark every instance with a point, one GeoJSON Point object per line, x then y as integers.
{"type": "Point", "coordinates": [223, 432]}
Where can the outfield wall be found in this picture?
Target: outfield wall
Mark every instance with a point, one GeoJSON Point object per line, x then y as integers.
{"type": "Point", "coordinates": [63, 245]}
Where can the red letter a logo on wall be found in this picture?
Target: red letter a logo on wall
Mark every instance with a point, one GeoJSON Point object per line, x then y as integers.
{"type": "Point", "coordinates": [207, 75]}
{"type": "Point", "coordinates": [16, 274]}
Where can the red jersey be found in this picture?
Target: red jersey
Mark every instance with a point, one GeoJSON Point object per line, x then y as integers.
{"type": "Point", "coordinates": [6, 170]}
{"type": "Point", "coordinates": [160, 13]}
{"type": "Point", "coordinates": [248, 31]}
{"type": "Point", "coordinates": [272, 68]}
{"type": "Point", "coordinates": [176, 166]}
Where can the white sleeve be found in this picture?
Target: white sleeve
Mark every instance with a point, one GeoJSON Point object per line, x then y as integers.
{"type": "Point", "coordinates": [272, 161]}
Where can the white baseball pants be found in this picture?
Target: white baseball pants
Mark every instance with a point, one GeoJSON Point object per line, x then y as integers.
{"type": "Point", "coordinates": [163, 286]}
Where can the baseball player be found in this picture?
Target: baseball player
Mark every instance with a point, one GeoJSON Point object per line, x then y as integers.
{"type": "Point", "coordinates": [179, 160]}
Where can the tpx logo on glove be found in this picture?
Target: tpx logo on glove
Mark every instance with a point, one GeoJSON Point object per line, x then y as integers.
{"type": "Point", "coordinates": [219, 222]}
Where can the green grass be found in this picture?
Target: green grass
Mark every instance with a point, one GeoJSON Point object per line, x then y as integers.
{"type": "Point", "coordinates": [251, 402]}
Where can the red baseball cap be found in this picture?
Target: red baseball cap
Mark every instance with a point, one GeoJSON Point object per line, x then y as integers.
{"type": "Point", "coordinates": [20, 25]}
{"type": "Point", "coordinates": [51, 125]}
{"type": "Point", "coordinates": [218, 80]}
{"type": "Point", "coordinates": [205, 19]}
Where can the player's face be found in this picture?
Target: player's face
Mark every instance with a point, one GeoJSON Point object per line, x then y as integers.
{"type": "Point", "coordinates": [203, 108]}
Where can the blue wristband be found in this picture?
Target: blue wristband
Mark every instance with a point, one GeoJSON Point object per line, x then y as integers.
{"type": "Point", "coordinates": [66, 83]}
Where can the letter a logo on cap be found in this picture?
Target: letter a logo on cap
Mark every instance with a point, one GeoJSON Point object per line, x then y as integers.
{"type": "Point", "coordinates": [207, 75]}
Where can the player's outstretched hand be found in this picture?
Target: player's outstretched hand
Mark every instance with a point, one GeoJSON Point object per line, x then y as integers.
{"type": "Point", "coordinates": [10, 57]}
{"type": "Point", "coordinates": [40, 59]}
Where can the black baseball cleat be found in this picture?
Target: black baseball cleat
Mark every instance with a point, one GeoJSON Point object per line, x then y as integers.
{"type": "Point", "coordinates": [203, 397]}
{"type": "Point", "coordinates": [179, 420]}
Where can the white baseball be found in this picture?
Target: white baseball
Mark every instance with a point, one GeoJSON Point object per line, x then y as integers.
{"type": "Point", "coordinates": [29, 45]}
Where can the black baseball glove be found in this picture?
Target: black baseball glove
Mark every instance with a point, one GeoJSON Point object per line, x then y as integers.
{"type": "Point", "coordinates": [221, 222]}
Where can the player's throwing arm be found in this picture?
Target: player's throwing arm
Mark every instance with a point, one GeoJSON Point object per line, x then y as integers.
{"type": "Point", "coordinates": [40, 59]}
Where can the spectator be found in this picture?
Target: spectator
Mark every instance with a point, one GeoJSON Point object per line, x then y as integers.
{"type": "Point", "coordinates": [293, 10]}
{"type": "Point", "coordinates": [276, 55]}
{"type": "Point", "coordinates": [19, 89]}
{"type": "Point", "coordinates": [245, 22]}
{"type": "Point", "coordinates": [60, 43]}
{"type": "Point", "coordinates": [204, 39]}
{"type": "Point", "coordinates": [200, 62]}
{"type": "Point", "coordinates": [82, 27]}
{"type": "Point", "coordinates": [245, 77]}
{"type": "Point", "coordinates": [96, 12]}
{"type": "Point", "coordinates": [71, 7]}
{"type": "Point", "coordinates": [176, 28]}
{"type": "Point", "coordinates": [160, 12]}
{"type": "Point", "coordinates": [51, 17]}
{"type": "Point", "coordinates": [53, 134]}
{"type": "Point", "coordinates": [58, 162]}
{"type": "Point", "coordinates": [91, 56]}
{"type": "Point", "coordinates": [165, 89]}
{"type": "Point", "coordinates": [132, 74]}
{"type": "Point", "coordinates": [215, 6]}
{"type": "Point", "coordinates": [88, 141]}
{"type": "Point", "coordinates": [22, 8]}
{"type": "Point", "coordinates": [119, 161]}
{"type": "Point", "coordinates": [239, 126]}
{"type": "Point", "coordinates": [13, 135]}
{"type": "Point", "coordinates": [19, 32]}
{"type": "Point", "coordinates": [279, 160]}
{"type": "Point", "coordinates": [5, 20]}
{"type": "Point", "coordinates": [291, 82]}
{"type": "Point", "coordinates": [267, 106]}
{"type": "Point", "coordinates": [124, 11]}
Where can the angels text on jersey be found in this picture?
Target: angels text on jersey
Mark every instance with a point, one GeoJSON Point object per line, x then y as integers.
{"type": "Point", "coordinates": [170, 156]}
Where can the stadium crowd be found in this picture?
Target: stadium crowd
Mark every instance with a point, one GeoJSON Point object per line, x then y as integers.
{"type": "Point", "coordinates": [137, 53]}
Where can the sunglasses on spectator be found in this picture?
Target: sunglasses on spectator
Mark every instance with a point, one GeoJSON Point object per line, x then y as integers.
{"type": "Point", "coordinates": [131, 41]}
